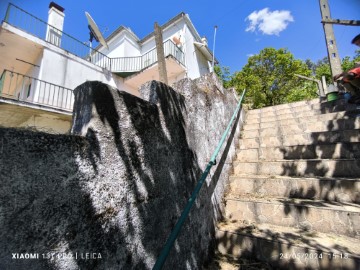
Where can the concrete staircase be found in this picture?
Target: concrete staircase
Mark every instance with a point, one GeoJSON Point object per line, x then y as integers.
{"type": "Point", "coordinates": [294, 196]}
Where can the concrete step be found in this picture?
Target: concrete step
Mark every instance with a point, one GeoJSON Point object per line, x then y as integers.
{"type": "Point", "coordinates": [310, 168]}
{"type": "Point", "coordinates": [287, 248]}
{"type": "Point", "coordinates": [321, 216]}
{"type": "Point", "coordinates": [295, 119]}
{"type": "Point", "coordinates": [325, 151]}
{"type": "Point", "coordinates": [318, 188]}
{"type": "Point", "coordinates": [302, 106]}
{"type": "Point", "coordinates": [293, 126]}
{"type": "Point", "coordinates": [302, 116]}
{"type": "Point", "coordinates": [351, 135]}
{"type": "Point", "coordinates": [313, 102]}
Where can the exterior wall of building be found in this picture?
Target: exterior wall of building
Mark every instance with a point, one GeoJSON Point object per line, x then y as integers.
{"type": "Point", "coordinates": [175, 79]}
{"type": "Point", "coordinates": [203, 64]}
{"type": "Point", "coordinates": [57, 66]}
{"type": "Point", "coordinates": [123, 45]}
{"type": "Point", "coordinates": [131, 47]}
{"type": "Point", "coordinates": [71, 71]}
{"type": "Point", "coordinates": [168, 33]}
{"type": "Point", "coordinates": [196, 63]}
{"type": "Point", "coordinates": [18, 83]}
{"type": "Point", "coordinates": [33, 72]}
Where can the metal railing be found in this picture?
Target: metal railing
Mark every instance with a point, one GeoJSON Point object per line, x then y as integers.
{"type": "Point", "coordinates": [172, 237]}
{"type": "Point", "coordinates": [171, 49]}
{"type": "Point", "coordinates": [27, 22]}
{"type": "Point", "coordinates": [24, 88]}
{"type": "Point", "coordinates": [126, 64]}
{"type": "Point", "coordinates": [137, 63]}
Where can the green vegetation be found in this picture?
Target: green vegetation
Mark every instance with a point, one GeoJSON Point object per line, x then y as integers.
{"type": "Point", "coordinates": [224, 74]}
{"type": "Point", "coordinates": [269, 77]}
{"type": "Point", "coordinates": [322, 67]}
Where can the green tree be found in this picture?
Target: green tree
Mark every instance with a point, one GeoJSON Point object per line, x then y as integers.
{"type": "Point", "coordinates": [307, 90]}
{"type": "Point", "coordinates": [357, 56]}
{"type": "Point", "coordinates": [322, 67]}
{"type": "Point", "coordinates": [348, 63]}
{"type": "Point", "coordinates": [223, 73]}
{"type": "Point", "coordinates": [269, 78]}
{"type": "Point", "coordinates": [311, 65]}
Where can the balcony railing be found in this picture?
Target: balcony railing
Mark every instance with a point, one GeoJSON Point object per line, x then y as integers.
{"type": "Point", "coordinates": [24, 88]}
{"type": "Point", "coordinates": [171, 49]}
{"type": "Point", "coordinates": [27, 22]}
{"type": "Point", "coordinates": [133, 64]}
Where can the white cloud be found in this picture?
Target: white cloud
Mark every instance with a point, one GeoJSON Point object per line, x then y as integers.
{"type": "Point", "coordinates": [269, 22]}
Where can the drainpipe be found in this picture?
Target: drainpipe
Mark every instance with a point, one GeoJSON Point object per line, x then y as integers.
{"type": "Point", "coordinates": [55, 24]}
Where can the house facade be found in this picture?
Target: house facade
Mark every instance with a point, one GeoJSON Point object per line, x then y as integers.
{"type": "Point", "coordinates": [40, 65]}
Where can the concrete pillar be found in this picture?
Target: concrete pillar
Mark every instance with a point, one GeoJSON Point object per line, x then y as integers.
{"type": "Point", "coordinates": [55, 24]}
{"type": "Point", "coordinates": [160, 54]}
{"type": "Point", "coordinates": [334, 58]}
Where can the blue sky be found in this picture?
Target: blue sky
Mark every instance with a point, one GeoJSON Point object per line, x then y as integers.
{"type": "Point", "coordinates": [244, 26]}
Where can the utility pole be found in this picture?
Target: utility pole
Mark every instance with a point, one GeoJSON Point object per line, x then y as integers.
{"type": "Point", "coordinates": [342, 22]}
{"type": "Point", "coordinates": [213, 58]}
{"type": "Point", "coordinates": [333, 55]}
{"type": "Point", "coordinates": [160, 54]}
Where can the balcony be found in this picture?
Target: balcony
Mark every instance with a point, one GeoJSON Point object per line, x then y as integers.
{"type": "Point", "coordinates": [30, 24]}
{"type": "Point", "coordinates": [135, 64]}
{"type": "Point", "coordinates": [18, 88]}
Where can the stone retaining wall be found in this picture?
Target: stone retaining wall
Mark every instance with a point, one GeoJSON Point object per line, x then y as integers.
{"type": "Point", "coordinates": [108, 196]}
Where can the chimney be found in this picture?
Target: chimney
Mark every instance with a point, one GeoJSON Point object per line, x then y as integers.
{"type": "Point", "coordinates": [55, 24]}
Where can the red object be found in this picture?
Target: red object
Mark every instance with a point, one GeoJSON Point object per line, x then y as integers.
{"type": "Point", "coordinates": [356, 71]}
{"type": "Point", "coordinates": [352, 74]}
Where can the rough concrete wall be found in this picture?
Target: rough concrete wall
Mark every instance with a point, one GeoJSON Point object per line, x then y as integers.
{"type": "Point", "coordinates": [116, 188]}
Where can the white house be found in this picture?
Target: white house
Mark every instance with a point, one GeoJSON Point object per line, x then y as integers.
{"type": "Point", "coordinates": [40, 65]}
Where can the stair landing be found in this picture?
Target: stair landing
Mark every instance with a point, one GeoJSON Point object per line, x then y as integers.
{"type": "Point", "coordinates": [288, 247]}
